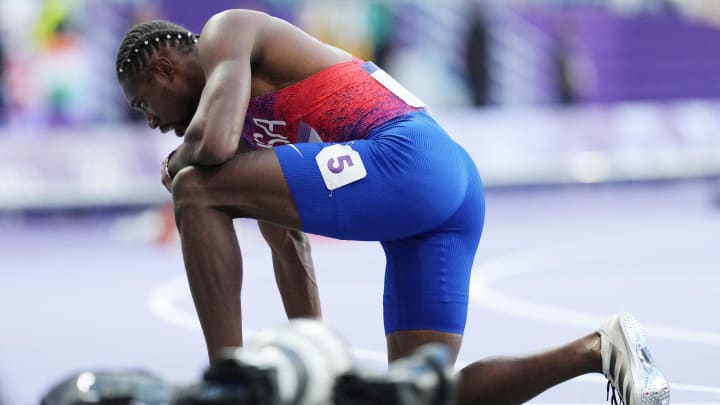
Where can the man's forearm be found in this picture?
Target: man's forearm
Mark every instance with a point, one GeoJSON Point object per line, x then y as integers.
{"type": "Point", "coordinates": [191, 154]}
{"type": "Point", "coordinates": [298, 287]}
{"type": "Point", "coordinates": [180, 158]}
{"type": "Point", "coordinates": [294, 271]}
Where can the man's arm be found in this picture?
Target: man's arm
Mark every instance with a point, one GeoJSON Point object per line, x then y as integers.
{"type": "Point", "coordinates": [294, 271]}
{"type": "Point", "coordinates": [226, 50]}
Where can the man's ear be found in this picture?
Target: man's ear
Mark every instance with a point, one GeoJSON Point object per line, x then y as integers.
{"type": "Point", "coordinates": [165, 68]}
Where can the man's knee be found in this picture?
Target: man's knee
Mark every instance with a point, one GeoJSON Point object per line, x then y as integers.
{"type": "Point", "coordinates": [404, 343]}
{"type": "Point", "coordinates": [188, 188]}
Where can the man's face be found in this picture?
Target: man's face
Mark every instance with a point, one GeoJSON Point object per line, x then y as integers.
{"type": "Point", "coordinates": [165, 101]}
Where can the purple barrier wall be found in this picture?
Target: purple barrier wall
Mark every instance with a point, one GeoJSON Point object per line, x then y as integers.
{"type": "Point", "coordinates": [651, 56]}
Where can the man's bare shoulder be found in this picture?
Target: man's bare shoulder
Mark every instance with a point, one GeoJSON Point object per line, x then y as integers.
{"type": "Point", "coordinates": [231, 35]}
{"type": "Point", "coordinates": [280, 52]}
{"type": "Point", "coordinates": [234, 21]}
{"type": "Point", "coordinates": [233, 16]}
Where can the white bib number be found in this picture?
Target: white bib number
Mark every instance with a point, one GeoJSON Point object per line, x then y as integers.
{"type": "Point", "coordinates": [340, 165]}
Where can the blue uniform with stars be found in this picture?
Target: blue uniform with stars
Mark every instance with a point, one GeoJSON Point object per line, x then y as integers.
{"type": "Point", "coordinates": [364, 161]}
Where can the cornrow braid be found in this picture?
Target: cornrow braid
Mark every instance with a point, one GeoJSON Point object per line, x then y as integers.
{"type": "Point", "coordinates": [144, 39]}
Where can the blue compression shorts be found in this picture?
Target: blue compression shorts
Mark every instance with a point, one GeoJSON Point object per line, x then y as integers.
{"type": "Point", "coordinates": [422, 198]}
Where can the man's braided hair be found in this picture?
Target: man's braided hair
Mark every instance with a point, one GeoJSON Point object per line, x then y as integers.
{"type": "Point", "coordinates": [143, 40]}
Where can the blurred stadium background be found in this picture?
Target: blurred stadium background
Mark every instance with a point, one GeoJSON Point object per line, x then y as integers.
{"type": "Point", "coordinates": [584, 116]}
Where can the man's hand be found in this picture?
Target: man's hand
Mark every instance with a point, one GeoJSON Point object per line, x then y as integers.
{"type": "Point", "coordinates": [178, 159]}
{"type": "Point", "coordinates": [165, 175]}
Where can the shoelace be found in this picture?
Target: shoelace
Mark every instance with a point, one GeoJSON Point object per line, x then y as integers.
{"type": "Point", "coordinates": [613, 400]}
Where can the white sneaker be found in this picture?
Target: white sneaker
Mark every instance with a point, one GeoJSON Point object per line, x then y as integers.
{"type": "Point", "coordinates": [627, 363]}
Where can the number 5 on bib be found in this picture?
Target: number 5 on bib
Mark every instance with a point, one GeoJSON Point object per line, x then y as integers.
{"type": "Point", "coordinates": [340, 165]}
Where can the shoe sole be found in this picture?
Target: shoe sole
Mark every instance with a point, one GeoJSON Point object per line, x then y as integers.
{"type": "Point", "coordinates": [655, 388]}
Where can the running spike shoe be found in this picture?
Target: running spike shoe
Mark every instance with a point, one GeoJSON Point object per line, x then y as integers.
{"type": "Point", "coordinates": [628, 365]}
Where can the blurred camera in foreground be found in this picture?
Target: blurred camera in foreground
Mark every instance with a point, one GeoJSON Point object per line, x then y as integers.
{"type": "Point", "coordinates": [424, 378]}
{"type": "Point", "coordinates": [126, 387]}
{"type": "Point", "coordinates": [301, 363]}
{"type": "Point", "coordinates": [295, 364]}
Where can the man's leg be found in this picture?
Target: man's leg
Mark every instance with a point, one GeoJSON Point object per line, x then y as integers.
{"type": "Point", "coordinates": [515, 380]}
{"type": "Point", "coordinates": [618, 349]}
{"type": "Point", "coordinates": [426, 287]}
{"type": "Point", "coordinates": [425, 299]}
{"type": "Point", "coordinates": [403, 343]}
{"type": "Point", "coordinates": [206, 201]}
{"type": "Point", "coordinates": [506, 380]}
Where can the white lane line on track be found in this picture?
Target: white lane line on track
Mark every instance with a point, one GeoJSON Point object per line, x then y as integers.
{"type": "Point", "coordinates": [596, 378]}
{"type": "Point", "coordinates": [163, 301]}
{"type": "Point", "coordinates": [562, 256]}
